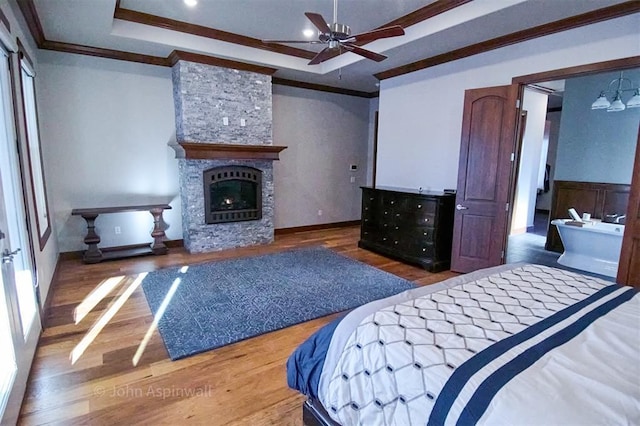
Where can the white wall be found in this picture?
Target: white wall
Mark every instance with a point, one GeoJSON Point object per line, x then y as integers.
{"type": "Point", "coordinates": [105, 128]}
{"type": "Point", "coordinates": [526, 188]}
{"type": "Point", "coordinates": [543, 202]}
{"type": "Point", "coordinates": [373, 109]}
{"type": "Point", "coordinates": [47, 257]}
{"type": "Point", "coordinates": [421, 112]}
{"type": "Point", "coordinates": [325, 133]}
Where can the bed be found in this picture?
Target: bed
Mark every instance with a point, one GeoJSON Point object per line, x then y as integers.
{"type": "Point", "coordinates": [514, 344]}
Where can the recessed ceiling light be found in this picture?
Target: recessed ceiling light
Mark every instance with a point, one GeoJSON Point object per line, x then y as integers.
{"type": "Point", "coordinates": [190, 3]}
{"type": "Point", "coordinates": [308, 33]}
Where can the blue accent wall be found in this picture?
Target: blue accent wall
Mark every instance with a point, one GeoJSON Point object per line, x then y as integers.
{"type": "Point", "coordinates": [596, 145]}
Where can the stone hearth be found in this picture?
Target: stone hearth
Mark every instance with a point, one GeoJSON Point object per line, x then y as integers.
{"type": "Point", "coordinates": [223, 118]}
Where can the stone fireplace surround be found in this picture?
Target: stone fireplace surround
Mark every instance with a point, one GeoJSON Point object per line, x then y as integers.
{"type": "Point", "coordinates": [223, 118]}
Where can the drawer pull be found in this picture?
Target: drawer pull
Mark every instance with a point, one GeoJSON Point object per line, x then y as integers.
{"type": "Point", "coordinates": [397, 214]}
{"type": "Point", "coordinates": [392, 202]}
{"type": "Point", "coordinates": [419, 206]}
{"type": "Point", "coordinates": [370, 198]}
{"type": "Point", "coordinates": [396, 227]}
{"type": "Point", "coordinates": [426, 220]}
{"type": "Point", "coordinates": [386, 212]}
{"type": "Point", "coordinates": [366, 208]}
{"type": "Point", "coordinates": [395, 242]}
{"type": "Point", "coordinates": [384, 239]}
{"type": "Point", "coordinates": [424, 249]}
{"type": "Point", "coordinates": [424, 233]}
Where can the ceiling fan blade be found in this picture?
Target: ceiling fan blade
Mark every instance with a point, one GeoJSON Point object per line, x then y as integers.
{"type": "Point", "coordinates": [324, 54]}
{"type": "Point", "coordinates": [370, 36]}
{"type": "Point", "coordinates": [317, 20]}
{"type": "Point", "coordinates": [364, 52]}
{"type": "Point", "coordinates": [293, 41]}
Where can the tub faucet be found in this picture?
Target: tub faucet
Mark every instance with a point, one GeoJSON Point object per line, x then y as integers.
{"type": "Point", "coordinates": [619, 218]}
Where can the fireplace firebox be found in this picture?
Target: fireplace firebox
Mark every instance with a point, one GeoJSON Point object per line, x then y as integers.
{"type": "Point", "coordinates": [232, 194]}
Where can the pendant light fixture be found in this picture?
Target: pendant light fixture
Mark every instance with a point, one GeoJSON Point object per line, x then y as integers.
{"type": "Point", "coordinates": [617, 105]}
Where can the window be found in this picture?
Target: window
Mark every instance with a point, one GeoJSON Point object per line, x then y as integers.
{"type": "Point", "coordinates": [34, 152]}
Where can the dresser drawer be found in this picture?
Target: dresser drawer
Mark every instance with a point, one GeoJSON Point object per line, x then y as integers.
{"type": "Point", "coordinates": [421, 219]}
{"type": "Point", "coordinates": [423, 233]}
{"type": "Point", "coordinates": [418, 248]}
{"type": "Point", "coordinates": [421, 205]}
{"type": "Point", "coordinates": [375, 235]}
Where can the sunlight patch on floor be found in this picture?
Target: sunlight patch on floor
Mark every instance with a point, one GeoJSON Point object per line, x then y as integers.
{"type": "Point", "coordinates": [104, 319]}
{"type": "Point", "coordinates": [97, 294]}
{"type": "Point", "coordinates": [156, 318]}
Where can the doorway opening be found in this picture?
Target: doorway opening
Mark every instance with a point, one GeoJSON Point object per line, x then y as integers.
{"type": "Point", "coordinates": [570, 156]}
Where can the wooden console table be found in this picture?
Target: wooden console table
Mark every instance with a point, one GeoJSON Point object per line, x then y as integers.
{"type": "Point", "coordinates": [94, 255]}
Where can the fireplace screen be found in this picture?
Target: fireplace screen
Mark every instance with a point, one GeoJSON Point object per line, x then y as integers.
{"type": "Point", "coordinates": [232, 194]}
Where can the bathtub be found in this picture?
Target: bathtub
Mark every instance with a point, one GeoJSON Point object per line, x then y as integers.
{"type": "Point", "coordinates": [593, 248]}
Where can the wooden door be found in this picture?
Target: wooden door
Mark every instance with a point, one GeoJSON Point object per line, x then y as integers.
{"type": "Point", "coordinates": [484, 177]}
{"type": "Point", "coordinates": [629, 265]}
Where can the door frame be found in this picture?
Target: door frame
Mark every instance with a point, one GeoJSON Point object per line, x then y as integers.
{"type": "Point", "coordinates": [561, 74]}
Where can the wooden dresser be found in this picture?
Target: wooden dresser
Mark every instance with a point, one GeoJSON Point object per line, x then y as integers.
{"type": "Point", "coordinates": [409, 225]}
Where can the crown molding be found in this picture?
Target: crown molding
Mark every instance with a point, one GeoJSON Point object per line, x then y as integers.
{"type": "Point", "coordinates": [180, 55]}
{"type": "Point", "coordinates": [588, 18]}
{"type": "Point", "coordinates": [323, 88]}
{"type": "Point", "coordinates": [5, 21]}
{"type": "Point", "coordinates": [79, 49]}
{"type": "Point", "coordinates": [202, 31]}
{"type": "Point", "coordinates": [434, 9]}
{"type": "Point", "coordinates": [28, 9]}
{"type": "Point", "coordinates": [595, 68]}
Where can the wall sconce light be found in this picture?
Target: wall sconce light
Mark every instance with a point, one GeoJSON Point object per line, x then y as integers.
{"type": "Point", "coordinates": [617, 105]}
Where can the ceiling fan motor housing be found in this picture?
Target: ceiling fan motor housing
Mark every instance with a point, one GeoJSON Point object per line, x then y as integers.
{"type": "Point", "coordinates": [339, 31]}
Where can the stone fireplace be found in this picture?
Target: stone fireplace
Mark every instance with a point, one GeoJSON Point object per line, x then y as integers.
{"type": "Point", "coordinates": [225, 155]}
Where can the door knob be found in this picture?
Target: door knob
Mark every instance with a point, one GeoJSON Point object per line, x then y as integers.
{"type": "Point", "coordinates": [7, 256]}
{"type": "Point", "coordinates": [461, 207]}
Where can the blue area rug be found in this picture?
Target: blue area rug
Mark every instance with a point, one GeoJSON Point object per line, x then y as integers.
{"type": "Point", "coordinates": [219, 303]}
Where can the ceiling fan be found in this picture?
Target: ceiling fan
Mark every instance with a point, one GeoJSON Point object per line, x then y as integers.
{"type": "Point", "coordinates": [338, 38]}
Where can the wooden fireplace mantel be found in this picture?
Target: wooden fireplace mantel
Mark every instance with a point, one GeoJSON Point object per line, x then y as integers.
{"type": "Point", "coordinates": [212, 151]}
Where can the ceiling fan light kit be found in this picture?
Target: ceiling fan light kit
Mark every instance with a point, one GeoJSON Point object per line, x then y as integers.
{"type": "Point", "coordinates": [338, 38]}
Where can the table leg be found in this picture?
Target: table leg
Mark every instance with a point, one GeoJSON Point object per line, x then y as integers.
{"type": "Point", "coordinates": [158, 246]}
{"type": "Point", "coordinates": [92, 239]}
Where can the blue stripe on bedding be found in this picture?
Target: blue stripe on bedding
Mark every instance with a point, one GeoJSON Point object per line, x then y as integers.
{"type": "Point", "coordinates": [304, 366]}
{"type": "Point", "coordinates": [464, 372]}
{"type": "Point", "coordinates": [481, 398]}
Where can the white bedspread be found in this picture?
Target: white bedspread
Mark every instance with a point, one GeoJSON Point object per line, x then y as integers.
{"type": "Point", "coordinates": [530, 345]}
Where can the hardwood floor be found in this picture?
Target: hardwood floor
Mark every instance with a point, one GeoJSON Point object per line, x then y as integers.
{"type": "Point", "coordinates": [239, 384]}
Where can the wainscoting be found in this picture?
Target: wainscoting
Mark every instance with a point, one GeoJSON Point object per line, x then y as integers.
{"type": "Point", "coordinates": [599, 199]}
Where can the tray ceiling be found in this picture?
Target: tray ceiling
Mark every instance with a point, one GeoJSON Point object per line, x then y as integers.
{"type": "Point", "coordinates": [92, 23]}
